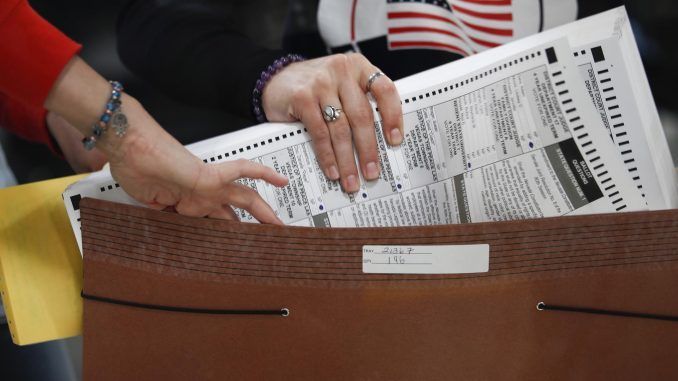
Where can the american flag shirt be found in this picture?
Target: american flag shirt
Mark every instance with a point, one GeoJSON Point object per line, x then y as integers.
{"type": "Point", "coordinates": [461, 27]}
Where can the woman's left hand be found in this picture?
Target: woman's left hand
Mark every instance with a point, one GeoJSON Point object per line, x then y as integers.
{"type": "Point", "coordinates": [155, 169]}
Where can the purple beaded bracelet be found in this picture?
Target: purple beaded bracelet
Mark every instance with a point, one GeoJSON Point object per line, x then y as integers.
{"type": "Point", "coordinates": [266, 76]}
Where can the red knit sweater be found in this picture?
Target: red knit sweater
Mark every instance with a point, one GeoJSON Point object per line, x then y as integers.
{"type": "Point", "coordinates": [32, 55]}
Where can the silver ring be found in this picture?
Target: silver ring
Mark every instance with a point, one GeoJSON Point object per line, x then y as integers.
{"type": "Point", "coordinates": [331, 113]}
{"type": "Point", "coordinates": [373, 77]}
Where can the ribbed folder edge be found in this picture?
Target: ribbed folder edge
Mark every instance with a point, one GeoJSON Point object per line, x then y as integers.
{"type": "Point", "coordinates": [223, 249]}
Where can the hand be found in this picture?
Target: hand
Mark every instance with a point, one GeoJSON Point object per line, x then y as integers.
{"type": "Point", "coordinates": [155, 169]}
{"type": "Point", "coordinates": [68, 139]}
{"type": "Point", "coordinates": [300, 92]}
{"type": "Point", "coordinates": [150, 165]}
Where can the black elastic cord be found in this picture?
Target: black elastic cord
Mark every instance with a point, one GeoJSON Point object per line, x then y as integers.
{"type": "Point", "coordinates": [541, 306]}
{"type": "Point", "coordinates": [284, 312]}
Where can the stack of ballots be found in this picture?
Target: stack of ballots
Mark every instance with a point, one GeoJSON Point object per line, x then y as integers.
{"type": "Point", "coordinates": [560, 123]}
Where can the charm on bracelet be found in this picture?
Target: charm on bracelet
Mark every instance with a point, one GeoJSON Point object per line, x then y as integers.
{"type": "Point", "coordinates": [119, 122]}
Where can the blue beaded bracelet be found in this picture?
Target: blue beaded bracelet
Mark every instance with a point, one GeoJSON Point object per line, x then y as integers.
{"type": "Point", "coordinates": [111, 112]}
{"type": "Point", "coordinates": [266, 76]}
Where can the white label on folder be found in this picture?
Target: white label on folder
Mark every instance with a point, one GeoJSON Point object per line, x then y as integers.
{"type": "Point", "coordinates": [426, 259]}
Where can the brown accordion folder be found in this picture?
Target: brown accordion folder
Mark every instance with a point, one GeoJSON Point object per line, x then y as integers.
{"type": "Point", "coordinates": [168, 297]}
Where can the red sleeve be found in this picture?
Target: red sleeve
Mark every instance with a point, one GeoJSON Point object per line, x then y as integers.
{"type": "Point", "coordinates": [26, 121]}
{"type": "Point", "coordinates": [32, 53]}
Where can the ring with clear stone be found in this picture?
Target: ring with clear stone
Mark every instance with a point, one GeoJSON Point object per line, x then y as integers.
{"type": "Point", "coordinates": [331, 113]}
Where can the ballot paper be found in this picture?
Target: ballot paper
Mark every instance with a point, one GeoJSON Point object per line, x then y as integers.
{"type": "Point", "coordinates": [608, 85]}
{"type": "Point", "coordinates": [605, 43]}
{"type": "Point", "coordinates": [515, 132]}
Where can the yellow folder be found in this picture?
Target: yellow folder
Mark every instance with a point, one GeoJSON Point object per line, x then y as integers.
{"type": "Point", "coordinates": [40, 265]}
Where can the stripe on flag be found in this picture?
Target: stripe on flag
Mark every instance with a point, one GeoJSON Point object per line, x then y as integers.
{"type": "Point", "coordinates": [460, 26]}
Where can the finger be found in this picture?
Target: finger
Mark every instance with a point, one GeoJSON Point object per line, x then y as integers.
{"type": "Point", "coordinates": [191, 208]}
{"type": "Point", "coordinates": [225, 212]}
{"type": "Point", "coordinates": [170, 209]}
{"type": "Point", "coordinates": [342, 144]}
{"type": "Point", "coordinates": [156, 206]}
{"type": "Point", "coordinates": [234, 170]}
{"type": "Point", "coordinates": [306, 110]}
{"type": "Point", "coordinates": [388, 101]}
{"type": "Point", "coordinates": [246, 198]}
{"type": "Point", "coordinates": [391, 112]}
{"type": "Point", "coordinates": [361, 119]}
{"type": "Point", "coordinates": [165, 197]}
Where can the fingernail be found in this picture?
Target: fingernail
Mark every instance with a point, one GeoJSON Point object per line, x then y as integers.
{"type": "Point", "coordinates": [396, 136]}
{"type": "Point", "coordinates": [282, 177]}
{"type": "Point", "coordinates": [372, 171]}
{"type": "Point", "coordinates": [351, 183]}
{"type": "Point", "coordinates": [333, 173]}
